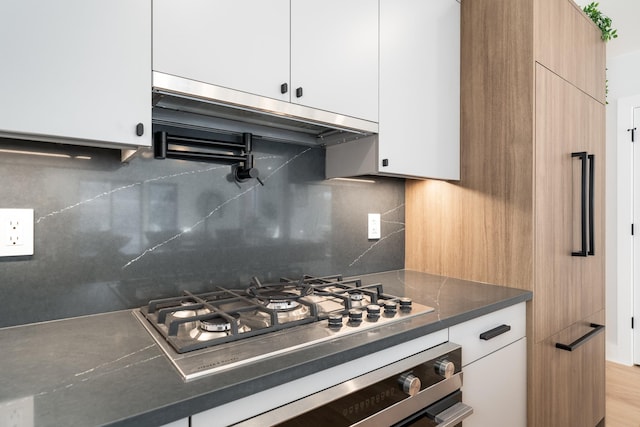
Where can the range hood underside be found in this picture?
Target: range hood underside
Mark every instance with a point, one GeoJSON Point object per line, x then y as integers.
{"type": "Point", "coordinates": [179, 101]}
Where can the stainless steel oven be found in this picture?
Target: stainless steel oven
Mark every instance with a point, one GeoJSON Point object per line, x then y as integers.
{"type": "Point", "coordinates": [421, 390]}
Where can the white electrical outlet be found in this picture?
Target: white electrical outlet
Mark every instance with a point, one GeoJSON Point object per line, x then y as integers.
{"type": "Point", "coordinates": [16, 232]}
{"type": "Point", "coordinates": [374, 226]}
{"type": "Point", "coordinates": [17, 412]}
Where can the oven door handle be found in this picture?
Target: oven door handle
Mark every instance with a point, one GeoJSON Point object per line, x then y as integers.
{"type": "Point", "coordinates": [453, 415]}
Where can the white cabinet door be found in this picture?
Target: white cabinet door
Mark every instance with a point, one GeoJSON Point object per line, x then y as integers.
{"type": "Point", "coordinates": [496, 387]}
{"type": "Point", "coordinates": [420, 88]}
{"type": "Point", "coordinates": [240, 44]}
{"type": "Point", "coordinates": [334, 56]}
{"type": "Point", "coordinates": [76, 71]}
{"type": "Point", "coordinates": [419, 121]}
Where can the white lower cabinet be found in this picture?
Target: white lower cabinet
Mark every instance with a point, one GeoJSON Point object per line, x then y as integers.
{"type": "Point", "coordinates": [496, 387]}
{"type": "Point", "coordinates": [494, 367]}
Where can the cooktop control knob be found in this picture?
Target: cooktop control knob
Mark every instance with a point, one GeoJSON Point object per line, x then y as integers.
{"type": "Point", "coordinates": [355, 316]}
{"type": "Point", "coordinates": [335, 321]}
{"type": "Point", "coordinates": [410, 383]}
{"type": "Point", "coordinates": [390, 307]}
{"type": "Point", "coordinates": [373, 312]}
{"type": "Point", "coordinates": [445, 368]}
{"type": "Point", "coordinates": [405, 304]}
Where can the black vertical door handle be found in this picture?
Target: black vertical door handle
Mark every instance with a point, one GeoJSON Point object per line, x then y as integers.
{"type": "Point", "coordinates": [299, 92]}
{"type": "Point", "coordinates": [592, 170]}
{"type": "Point", "coordinates": [284, 88]}
{"type": "Point", "coordinates": [583, 203]}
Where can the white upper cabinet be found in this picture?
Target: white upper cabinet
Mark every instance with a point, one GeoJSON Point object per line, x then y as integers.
{"type": "Point", "coordinates": [325, 53]}
{"type": "Point", "coordinates": [334, 56]}
{"type": "Point", "coordinates": [240, 44]}
{"type": "Point", "coordinates": [419, 122]}
{"type": "Point", "coordinates": [76, 71]}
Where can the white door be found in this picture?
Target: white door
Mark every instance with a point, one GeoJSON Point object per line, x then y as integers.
{"type": "Point", "coordinates": [76, 70]}
{"type": "Point", "coordinates": [636, 239]}
{"type": "Point", "coordinates": [241, 44]}
{"type": "Point", "coordinates": [334, 56]}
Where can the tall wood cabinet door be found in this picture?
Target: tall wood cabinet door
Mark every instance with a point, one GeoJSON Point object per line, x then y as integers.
{"type": "Point", "coordinates": [558, 275]}
{"type": "Point", "coordinates": [593, 270]}
{"type": "Point", "coordinates": [241, 44]}
{"type": "Point", "coordinates": [568, 387]}
{"type": "Point", "coordinates": [569, 44]}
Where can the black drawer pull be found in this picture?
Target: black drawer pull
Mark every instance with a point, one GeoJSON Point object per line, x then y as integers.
{"type": "Point", "coordinates": [495, 332]}
{"type": "Point", "coordinates": [583, 339]}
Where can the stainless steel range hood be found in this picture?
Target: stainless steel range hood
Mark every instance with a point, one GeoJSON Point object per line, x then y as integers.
{"type": "Point", "coordinates": [180, 101]}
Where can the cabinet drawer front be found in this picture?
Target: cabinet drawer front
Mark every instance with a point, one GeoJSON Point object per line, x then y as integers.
{"type": "Point", "coordinates": [498, 329]}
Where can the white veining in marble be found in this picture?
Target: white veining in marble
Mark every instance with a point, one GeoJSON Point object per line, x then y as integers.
{"type": "Point", "coordinates": [384, 237]}
{"type": "Point", "coordinates": [114, 361]}
{"type": "Point", "coordinates": [125, 187]}
{"type": "Point", "coordinates": [146, 181]}
{"type": "Point", "coordinates": [91, 373]}
{"type": "Point", "coordinates": [216, 209]}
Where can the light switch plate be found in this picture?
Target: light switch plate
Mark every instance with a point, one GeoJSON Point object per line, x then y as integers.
{"type": "Point", "coordinates": [16, 232]}
{"type": "Point", "coordinates": [374, 226]}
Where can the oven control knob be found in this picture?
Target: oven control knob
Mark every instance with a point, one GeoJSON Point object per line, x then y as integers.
{"type": "Point", "coordinates": [445, 368]}
{"type": "Point", "coordinates": [410, 384]}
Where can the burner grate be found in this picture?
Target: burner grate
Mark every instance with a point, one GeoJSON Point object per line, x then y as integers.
{"type": "Point", "coordinates": [251, 311]}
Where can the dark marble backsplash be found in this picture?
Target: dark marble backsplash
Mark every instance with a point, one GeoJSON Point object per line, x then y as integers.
{"type": "Point", "coordinates": [111, 236]}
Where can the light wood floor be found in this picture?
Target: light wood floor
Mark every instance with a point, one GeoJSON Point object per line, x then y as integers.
{"type": "Point", "coordinates": [623, 395]}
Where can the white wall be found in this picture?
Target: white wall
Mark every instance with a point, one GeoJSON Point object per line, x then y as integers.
{"type": "Point", "coordinates": [623, 74]}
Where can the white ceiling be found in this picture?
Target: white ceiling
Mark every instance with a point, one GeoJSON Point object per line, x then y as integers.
{"type": "Point", "coordinates": [625, 17]}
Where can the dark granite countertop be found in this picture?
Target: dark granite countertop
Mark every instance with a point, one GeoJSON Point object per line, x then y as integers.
{"type": "Point", "coordinates": [106, 369]}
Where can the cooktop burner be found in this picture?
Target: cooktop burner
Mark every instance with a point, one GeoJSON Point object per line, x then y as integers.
{"type": "Point", "coordinates": [206, 332]}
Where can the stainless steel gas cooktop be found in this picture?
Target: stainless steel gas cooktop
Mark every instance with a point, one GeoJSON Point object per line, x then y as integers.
{"type": "Point", "coordinates": [209, 332]}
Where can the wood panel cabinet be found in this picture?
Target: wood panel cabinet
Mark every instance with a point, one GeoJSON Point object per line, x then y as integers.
{"type": "Point", "coordinates": [515, 217]}
{"type": "Point", "coordinates": [71, 74]}
{"type": "Point", "coordinates": [569, 44]}
{"type": "Point", "coordinates": [326, 53]}
{"type": "Point", "coordinates": [566, 121]}
{"type": "Point", "coordinates": [570, 384]}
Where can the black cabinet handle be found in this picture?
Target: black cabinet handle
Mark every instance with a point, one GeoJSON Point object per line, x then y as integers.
{"type": "Point", "coordinates": [583, 339]}
{"type": "Point", "coordinates": [583, 203]}
{"type": "Point", "coordinates": [592, 170]}
{"type": "Point", "coordinates": [284, 88]}
{"type": "Point", "coordinates": [299, 92]}
{"type": "Point", "coordinates": [139, 129]}
{"type": "Point", "coordinates": [492, 333]}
